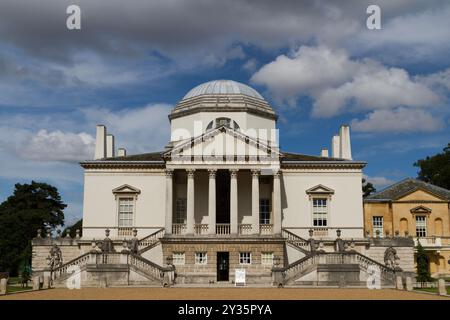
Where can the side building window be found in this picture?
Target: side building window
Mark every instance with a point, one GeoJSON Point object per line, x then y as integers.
{"type": "Point", "coordinates": [126, 197]}
{"type": "Point", "coordinates": [179, 258]}
{"type": "Point", "coordinates": [421, 226]}
{"type": "Point", "coordinates": [320, 212]}
{"type": "Point", "coordinates": [245, 258]}
{"type": "Point", "coordinates": [377, 226]}
{"type": "Point", "coordinates": [201, 258]}
{"type": "Point", "coordinates": [126, 212]}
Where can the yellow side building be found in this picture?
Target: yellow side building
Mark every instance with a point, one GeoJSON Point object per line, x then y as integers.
{"type": "Point", "coordinates": [413, 208]}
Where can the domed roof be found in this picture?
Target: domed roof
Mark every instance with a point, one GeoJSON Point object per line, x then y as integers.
{"type": "Point", "coordinates": [218, 87]}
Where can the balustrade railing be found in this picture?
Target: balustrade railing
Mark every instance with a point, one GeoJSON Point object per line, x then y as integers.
{"type": "Point", "coordinates": [147, 266]}
{"type": "Point", "coordinates": [245, 228]}
{"type": "Point", "coordinates": [109, 258]}
{"type": "Point", "coordinates": [201, 229]}
{"type": "Point", "coordinates": [125, 231]}
{"type": "Point", "coordinates": [266, 229]}
{"type": "Point", "coordinates": [151, 239]}
{"type": "Point", "coordinates": [222, 228]}
{"type": "Point", "coordinates": [295, 240]}
{"type": "Point", "coordinates": [178, 228]}
{"type": "Point", "coordinates": [68, 267]}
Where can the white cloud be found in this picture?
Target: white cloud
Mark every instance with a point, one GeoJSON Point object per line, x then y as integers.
{"type": "Point", "coordinates": [378, 181]}
{"type": "Point", "coordinates": [139, 130]}
{"type": "Point", "coordinates": [398, 120]}
{"type": "Point", "coordinates": [339, 84]}
{"type": "Point", "coordinates": [58, 146]}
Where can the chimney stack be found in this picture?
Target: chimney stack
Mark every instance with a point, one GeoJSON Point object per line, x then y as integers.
{"type": "Point", "coordinates": [344, 141]}
{"type": "Point", "coordinates": [110, 152]}
{"type": "Point", "coordinates": [122, 152]}
{"type": "Point", "coordinates": [100, 142]}
{"type": "Point", "coordinates": [335, 147]}
{"type": "Point", "coordinates": [324, 153]}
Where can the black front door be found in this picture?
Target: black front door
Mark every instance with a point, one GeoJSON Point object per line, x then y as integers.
{"type": "Point", "coordinates": [222, 266]}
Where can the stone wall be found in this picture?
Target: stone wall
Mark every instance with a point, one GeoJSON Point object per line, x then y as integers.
{"type": "Point", "coordinates": [70, 249]}
{"type": "Point", "coordinates": [403, 246]}
{"type": "Point", "coordinates": [256, 272]}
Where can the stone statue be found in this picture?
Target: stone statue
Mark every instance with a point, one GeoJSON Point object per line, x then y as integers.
{"type": "Point", "coordinates": [54, 258]}
{"type": "Point", "coordinates": [312, 245]}
{"type": "Point", "coordinates": [340, 245]}
{"type": "Point", "coordinates": [107, 245]}
{"type": "Point", "coordinates": [391, 258]}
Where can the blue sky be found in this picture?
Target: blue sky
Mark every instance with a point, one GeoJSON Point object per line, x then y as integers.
{"type": "Point", "coordinates": [316, 63]}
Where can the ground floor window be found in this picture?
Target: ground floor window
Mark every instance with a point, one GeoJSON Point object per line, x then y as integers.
{"type": "Point", "coordinates": [245, 258]}
{"type": "Point", "coordinates": [201, 258]}
{"type": "Point", "coordinates": [178, 258]}
{"type": "Point", "coordinates": [377, 225]}
{"type": "Point", "coordinates": [264, 211]}
{"type": "Point", "coordinates": [267, 258]}
{"type": "Point", "coordinates": [421, 226]}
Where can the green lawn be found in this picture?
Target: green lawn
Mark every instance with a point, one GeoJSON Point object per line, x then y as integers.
{"type": "Point", "coordinates": [11, 289]}
{"type": "Point", "coordinates": [432, 290]}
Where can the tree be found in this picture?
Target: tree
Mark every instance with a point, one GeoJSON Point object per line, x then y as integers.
{"type": "Point", "coordinates": [436, 169]}
{"type": "Point", "coordinates": [367, 188]}
{"type": "Point", "coordinates": [31, 207]}
{"type": "Point", "coordinates": [423, 270]}
{"type": "Point", "coordinates": [73, 229]}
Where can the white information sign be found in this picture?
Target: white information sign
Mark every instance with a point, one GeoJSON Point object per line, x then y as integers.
{"type": "Point", "coordinates": [239, 277]}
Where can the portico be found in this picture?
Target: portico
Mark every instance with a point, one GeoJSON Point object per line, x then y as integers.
{"type": "Point", "coordinates": [216, 201]}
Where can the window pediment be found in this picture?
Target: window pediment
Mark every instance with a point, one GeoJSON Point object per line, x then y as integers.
{"type": "Point", "coordinates": [420, 210]}
{"type": "Point", "coordinates": [126, 189]}
{"type": "Point", "coordinates": [320, 189]}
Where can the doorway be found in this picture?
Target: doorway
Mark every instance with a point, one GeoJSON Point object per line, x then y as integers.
{"type": "Point", "coordinates": [223, 196]}
{"type": "Point", "coordinates": [223, 266]}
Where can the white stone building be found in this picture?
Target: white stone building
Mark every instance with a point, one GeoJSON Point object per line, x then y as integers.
{"type": "Point", "coordinates": [223, 196]}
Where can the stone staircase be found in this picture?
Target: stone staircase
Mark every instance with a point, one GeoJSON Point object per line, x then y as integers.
{"type": "Point", "coordinates": [150, 241]}
{"type": "Point", "coordinates": [318, 268]}
{"type": "Point", "coordinates": [332, 269]}
{"type": "Point", "coordinates": [296, 241]}
{"type": "Point", "coordinates": [116, 269]}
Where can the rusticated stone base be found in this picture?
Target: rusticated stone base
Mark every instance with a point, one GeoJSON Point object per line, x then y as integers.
{"type": "Point", "coordinates": [192, 273]}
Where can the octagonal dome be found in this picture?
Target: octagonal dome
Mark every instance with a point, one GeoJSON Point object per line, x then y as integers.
{"type": "Point", "coordinates": [222, 96]}
{"type": "Point", "coordinates": [225, 87]}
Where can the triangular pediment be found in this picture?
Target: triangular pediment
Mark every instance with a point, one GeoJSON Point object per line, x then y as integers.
{"type": "Point", "coordinates": [223, 145]}
{"type": "Point", "coordinates": [320, 189]}
{"type": "Point", "coordinates": [420, 210]}
{"type": "Point", "coordinates": [126, 188]}
{"type": "Point", "coordinates": [419, 193]}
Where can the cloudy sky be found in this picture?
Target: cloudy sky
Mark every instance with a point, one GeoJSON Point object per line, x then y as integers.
{"type": "Point", "coordinates": [314, 61]}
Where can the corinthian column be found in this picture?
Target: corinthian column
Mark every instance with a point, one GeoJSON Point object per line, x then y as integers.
{"type": "Point", "coordinates": [212, 202]}
{"type": "Point", "coordinates": [276, 203]}
{"type": "Point", "coordinates": [233, 202]}
{"type": "Point", "coordinates": [169, 201]}
{"type": "Point", "coordinates": [190, 202]}
{"type": "Point", "coordinates": [255, 201]}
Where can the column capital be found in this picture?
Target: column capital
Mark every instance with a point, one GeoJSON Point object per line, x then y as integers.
{"type": "Point", "coordinates": [277, 174]}
{"type": "Point", "coordinates": [255, 173]}
{"type": "Point", "coordinates": [234, 172]}
{"type": "Point", "coordinates": [190, 173]}
{"type": "Point", "coordinates": [169, 173]}
{"type": "Point", "coordinates": [212, 173]}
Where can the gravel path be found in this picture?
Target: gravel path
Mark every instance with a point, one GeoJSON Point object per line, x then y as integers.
{"type": "Point", "coordinates": [220, 294]}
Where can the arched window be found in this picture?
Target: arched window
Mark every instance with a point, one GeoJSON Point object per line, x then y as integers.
{"type": "Point", "coordinates": [222, 121]}
{"type": "Point", "coordinates": [404, 227]}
